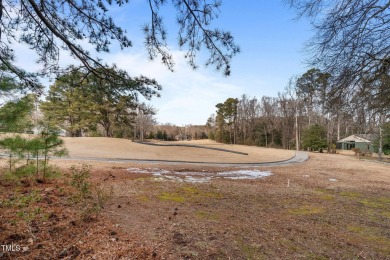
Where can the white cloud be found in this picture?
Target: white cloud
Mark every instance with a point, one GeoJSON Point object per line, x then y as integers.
{"type": "Point", "coordinates": [188, 96]}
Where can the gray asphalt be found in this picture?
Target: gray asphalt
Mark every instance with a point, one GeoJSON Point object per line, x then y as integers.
{"type": "Point", "coordinates": [298, 158]}
{"type": "Point", "coordinates": [193, 146]}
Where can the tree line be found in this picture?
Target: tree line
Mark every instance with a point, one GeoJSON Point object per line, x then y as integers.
{"type": "Point", "coordinates": [80, 104]}
{"type": "Point", "coordinates": [350, 46]}
{"type": "Point", "coordinates": [306, 115]}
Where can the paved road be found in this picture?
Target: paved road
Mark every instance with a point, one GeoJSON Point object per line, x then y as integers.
{"type": "Point", "coordinates": [298, 158]}
{"type": "Point", "coordinates": [193, 146]}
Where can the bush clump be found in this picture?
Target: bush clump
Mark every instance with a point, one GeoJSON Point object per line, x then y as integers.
{"type": "Point", "coordinates": [89, 196]}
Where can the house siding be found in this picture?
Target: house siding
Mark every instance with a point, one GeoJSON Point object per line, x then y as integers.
{"type": "Point", "coordinates": [351, 142]}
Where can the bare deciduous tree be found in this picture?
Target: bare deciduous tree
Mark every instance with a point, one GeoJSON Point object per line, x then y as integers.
{"type": "Point", "coordinates": [352, 41]}
{"type": "Point", "coordinates": [144, 120]}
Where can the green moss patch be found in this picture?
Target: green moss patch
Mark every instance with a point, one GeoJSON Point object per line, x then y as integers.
{"type": "Point", "coordinates": [373, 235]}
{"type": "Point", "coordinates": [175, 197]}
{"type": "Point", "coordinates": [143, 198]}
{"type": "Point", "coordinates": [206, 215]}
{"type": "Point", "coordinates": [351, 194]}
{"type": "Point", "coordinates": [373, 203]}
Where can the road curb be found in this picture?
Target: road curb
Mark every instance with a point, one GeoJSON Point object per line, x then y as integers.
{"type": "Point", "coordinates": [299, 157]}
{"type": "Point", "coordinates": [193, 146]}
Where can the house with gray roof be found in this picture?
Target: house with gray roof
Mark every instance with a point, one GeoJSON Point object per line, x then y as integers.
{"type": "Point", "coordinates": [363, 142]}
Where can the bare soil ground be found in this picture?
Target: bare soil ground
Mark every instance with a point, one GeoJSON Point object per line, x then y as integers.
{"type": "Point", "coordinates": [330, 207]}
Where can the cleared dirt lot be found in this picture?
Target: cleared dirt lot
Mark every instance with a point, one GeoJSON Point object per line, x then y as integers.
{"type": "Point", "coordinates": [329, 207]}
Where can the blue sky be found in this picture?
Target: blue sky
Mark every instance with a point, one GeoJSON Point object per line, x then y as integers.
{"type": "Point", "coordinates": [271, 43]}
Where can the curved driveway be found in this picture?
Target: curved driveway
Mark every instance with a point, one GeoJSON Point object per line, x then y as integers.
{"type": "Point", "coordinates": [298, 158]}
